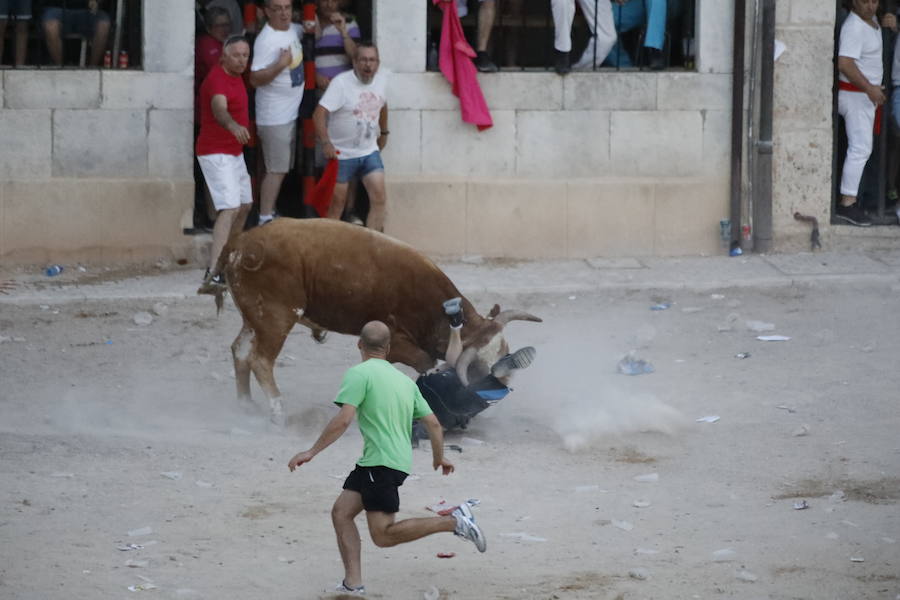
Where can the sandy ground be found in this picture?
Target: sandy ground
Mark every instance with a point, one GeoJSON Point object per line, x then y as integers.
{"type": "Point", "coordinates": [96, 410]}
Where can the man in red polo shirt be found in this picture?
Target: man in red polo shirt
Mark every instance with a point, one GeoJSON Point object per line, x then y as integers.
{"type": "Point", "coordinates": [224, 118]}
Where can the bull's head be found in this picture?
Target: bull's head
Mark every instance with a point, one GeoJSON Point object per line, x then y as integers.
{"type": "Point", "coordinates": [486, 345]}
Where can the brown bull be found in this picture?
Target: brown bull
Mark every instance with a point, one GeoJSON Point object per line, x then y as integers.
{"type": "Point", "coordinates": [331, 276]}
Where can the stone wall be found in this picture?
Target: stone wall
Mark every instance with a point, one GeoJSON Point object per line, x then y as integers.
{"type": "Point", "coordinates": [98, 164]}
{"type": "Point", "coordinates": [605, 163]}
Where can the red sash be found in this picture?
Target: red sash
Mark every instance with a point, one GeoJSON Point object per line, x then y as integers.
{"type": "Point", "coordinates": [849, 87]}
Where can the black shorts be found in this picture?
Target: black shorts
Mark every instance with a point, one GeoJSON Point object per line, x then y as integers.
{"type": "Point", "coordinates": [377, 486]}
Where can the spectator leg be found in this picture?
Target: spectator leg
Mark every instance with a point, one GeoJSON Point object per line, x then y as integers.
{"type": "Point", "coordinates": [98, 46]}
{"type": "Point", "coordinates": [268, 194]}
{"type": "Point", "coordinates": [859, 117]}
{"type": "Point", "coordinates": [221, 231]}
{"type": "Point", "coordinates": [338, 201]}
{"type": "Point", "coordinates": [53, 35]}
{"type": "Point", "coordinates": [21, 42]}
{"type": "Point", "coordinates": [604, 30]}
{"type": "Point", "coordinates": [656, 24]}
{"type": "Point", "coordinates": [374, 183]}
{"type": "Point", "coordinates": [563, 16]}
{"type": "Point", "coordinates": [486, 13]}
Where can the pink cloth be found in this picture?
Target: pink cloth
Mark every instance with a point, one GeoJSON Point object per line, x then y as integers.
{"type": "Point", "coordinates": [456, 64]}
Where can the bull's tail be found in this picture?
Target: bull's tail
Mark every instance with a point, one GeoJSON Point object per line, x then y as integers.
{"type": "Point", "coordinates": [218, 291]}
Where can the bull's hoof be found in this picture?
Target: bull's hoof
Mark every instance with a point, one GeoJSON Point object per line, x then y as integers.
{"type": "Point", "coordinates": [319, 335]}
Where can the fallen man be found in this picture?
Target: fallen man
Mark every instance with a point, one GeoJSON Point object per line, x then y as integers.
{"type": "Point", "coordinates": [454, 401]}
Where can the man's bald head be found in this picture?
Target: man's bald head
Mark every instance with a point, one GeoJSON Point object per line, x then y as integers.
{"type": "Point", "coordinates": [375, 338]}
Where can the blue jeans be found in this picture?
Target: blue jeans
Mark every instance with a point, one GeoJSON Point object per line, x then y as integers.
{"type": "Point", "coordinates": [80, 21]}
{"type": "Point", "coordinates": [362, 166]}
{"type": "Point", "coordinates": [632, 15]}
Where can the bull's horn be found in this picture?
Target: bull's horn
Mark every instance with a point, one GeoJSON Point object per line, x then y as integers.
{"type": "Point", "coordinates": [462, 364]}
{"type": "Point", "coordinates": [515, 315]}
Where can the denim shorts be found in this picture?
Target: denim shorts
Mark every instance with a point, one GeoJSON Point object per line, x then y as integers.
{"type": "Point", "coordinates": [75, 22]}
{"type": "Point", "coordinates": [362, 166]}
{"type": "Point", "coordinates": [21, 9]}
{"type": "Point", "coordinates": [895, 110]}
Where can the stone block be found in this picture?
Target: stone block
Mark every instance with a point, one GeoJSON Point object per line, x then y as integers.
{"type": "Point", "coordinates": [661, 143]}
{"type": "Point", "coordinates": [516, 219]}
{"type": "Point", "coordinates": [693, 91]}
{"type": "Point", "coordinates": [715, 37]}
{"type": "Point", "coordinates": [453, 148]}
{"type": "Point", "coordinates": [26, 150]}
{"type": "Point", "coordinates": [420, 91]}
{"type": "Point", "coordinates": [400, 32]}
{"type": "Point", "coordinates": [170, 26]}
{"type": "Point", "coordinates": [687, 214]}
{"type": "Point", "coordinates": [802, 174]}
{"type": "Point", "coordinates": [610, 218]}
{"type": "Point", "coordinates": [170, 142]}
{"type": "Point", "coordinates": [81, 150]}
{"type": "Point", "coordinates": [140, 219]}
{"type": "Point", "coordinates": [31, 88]}
{"type": "Point", "coordinates": [522, 91]}
{"type": "Point", "coordinates": [716, 157]}
{"type": "Point", "coordinates": [403, 153]}
{"type": "Point", "coordinates": [803, 82]}
{"type": "Point", "coordinates": [430, 215]}
{"type": "Point", "coordinates": [812, 12]}
{"type": "Point", "coordinates": [562, 144]}
{"type": "Point", "coordinates": [607, 90]}
{"type": "Point", "coordinates": [124, 89]}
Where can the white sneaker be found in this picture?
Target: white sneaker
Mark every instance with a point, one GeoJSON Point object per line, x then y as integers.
{"type": "Point", "coordinates": [466, 527]}
{"type": "Point", "coordinates": [342, 588]}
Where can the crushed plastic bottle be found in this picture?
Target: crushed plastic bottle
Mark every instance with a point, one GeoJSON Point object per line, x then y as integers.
{"type": "Point", "coordinates": [632, 365]}
{"type": "Point", "coordinates": [53, 270]}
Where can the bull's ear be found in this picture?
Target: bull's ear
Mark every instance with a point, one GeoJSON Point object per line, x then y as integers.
{"type": "Point", "coordinates": [494, 311]}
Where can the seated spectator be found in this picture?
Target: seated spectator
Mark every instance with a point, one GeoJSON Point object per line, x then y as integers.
{"type": "Point", "coordinates": [336, 39]}
{"type": "Point", "coordinates": [235, 15]}
{"type": "Point", "coordinates": [486, 11]}
{"type": "Point", "coordinates": [80, 17]}
{"type": "Point", "coordinates": [603, 32]}
{"type": "Point", "coordinates": [21, 10]}
{"type": "Point", "coordinates": [209, 45]}
{"type": "Point", "coordinates": [631, 14]}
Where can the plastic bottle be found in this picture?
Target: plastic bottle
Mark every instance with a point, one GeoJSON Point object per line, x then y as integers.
{"type": "Point", "coordinates": [53, 270]}
{"type": "Point", "coordinates": [433, 59]}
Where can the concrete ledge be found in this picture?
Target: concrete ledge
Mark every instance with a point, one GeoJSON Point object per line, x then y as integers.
{"type": "Point", "coordinates": [89, 219]}
{"type": "Point", "coordinates": [547, 218]}
{"type": "Point", "coordinates": [30, 88]}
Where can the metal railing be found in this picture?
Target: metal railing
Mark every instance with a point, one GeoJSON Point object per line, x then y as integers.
{"type": "Point", "coordinates": [523, 34]}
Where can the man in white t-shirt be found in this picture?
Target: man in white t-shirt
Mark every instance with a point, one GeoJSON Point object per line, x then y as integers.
{"type": "Point", "coordinates": [352, 125]}
{"type": "Point", "coordinates": [277, 75]}
{"type": "Point", "coordinates": [861, 72]}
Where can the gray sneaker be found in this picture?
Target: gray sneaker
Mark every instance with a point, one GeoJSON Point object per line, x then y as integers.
{"type": "Point", "coordinates": [453, 310]}
{"type": "Point", "coordinates": [466, 527]}
{"type": "Point", "coordinates": [519, 359]}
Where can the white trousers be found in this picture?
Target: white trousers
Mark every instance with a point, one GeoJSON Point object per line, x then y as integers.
{"type": "Point", "coordinates": [600, 24]}
{"type": "Point", "coordinates": [859, 117]}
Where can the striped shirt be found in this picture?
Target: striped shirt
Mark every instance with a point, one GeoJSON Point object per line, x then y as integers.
{"type": "Point", "coordinates": [331, 58]}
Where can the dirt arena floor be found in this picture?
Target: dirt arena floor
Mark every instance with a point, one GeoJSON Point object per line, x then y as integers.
{"type": "Point", "coordinates": [593, 484]}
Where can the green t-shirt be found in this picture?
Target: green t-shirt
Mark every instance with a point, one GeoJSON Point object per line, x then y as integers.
{"type": "Point", "coordinates": [386, 403]}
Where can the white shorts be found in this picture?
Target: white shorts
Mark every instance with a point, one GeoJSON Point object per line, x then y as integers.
{"type": "Point", "coordinates": [227, 179]}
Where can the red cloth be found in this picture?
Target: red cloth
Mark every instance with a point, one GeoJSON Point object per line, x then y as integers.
{"type": "Point", "coordinates": [849, 87]}
{"type": "Point", "coordinates": [456, 64]}
{"type": "Point", "coordinates": [213, 138]}
{"type": "Point", "coordinates": [206, 56]}
{"type": "Point", "coordinates": [321, 196]}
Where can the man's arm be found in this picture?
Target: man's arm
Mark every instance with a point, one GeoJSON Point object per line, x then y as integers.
{"type": "Point", "coordinates": [335, 429]}
{"type": "Point", "coordinates": [383, 126]}
{"type": "Point", "coordinates": [436, 435]}
{"type": "Point", "coordinates": [340, 23]}
{"type": "Point", "coordinates": [223, 118]}
{"type": "Point", "coordinates": [847, 67]}
{"type": "Point", "coordinates": [265, 76]}
{"type": "Point", "coordinates": [320, 120]}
